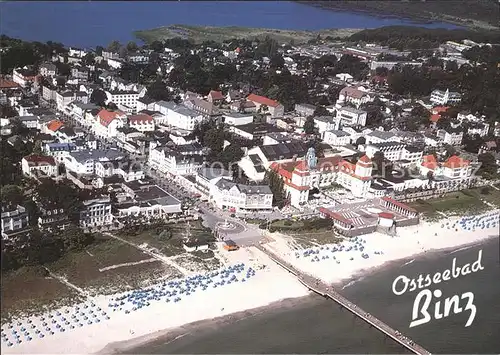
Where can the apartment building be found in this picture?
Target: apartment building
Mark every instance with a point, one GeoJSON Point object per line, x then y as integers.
{"type": "Point", "coordinates": [178, 116]}
{"type": "Point", "coordinates": [349, 116]}
{"type": "Point", "coordinates": [96, 213]}
{"type": "Point", "coordinates": [15, 219]}
{"type": "Point", "coordinates": [238, 198]}
{"type": "Point", "coordinates": [337, 138]}
{"type": "Point", "coordinates": [440, 98]}
{"type": "Point", "coordinates": [267, 105]}
{"type": "Point", "coordinates": [38, 165]}
{"type": "Point", "coordinates": [123, 98]}
{"type": "Point", "coordinates": [141, 122]}
{"type": "Point", "coordinates": [452, 136]}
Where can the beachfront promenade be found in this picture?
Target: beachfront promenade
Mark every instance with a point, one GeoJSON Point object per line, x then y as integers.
{"type": "Point", "coordinates": [326, 291]}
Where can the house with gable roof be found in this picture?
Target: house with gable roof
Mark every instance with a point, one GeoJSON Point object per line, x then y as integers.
{"type": "Point", "coordinates": [355, 96]}
{"type": "Point", "coordinates": [52, 127]}
{"type": "Point", "coordinates": [454, 167]}
{"type": "Point", "coordinates": [273, 107]}
{"type": "Point", "coordinates": [36, 165]}
{"type": "Point", "coordinates": [141, 122]}
{"type": "Point", "coordinates": [215, 97]}
{"type": "Point", "coordinates": [107, 123]}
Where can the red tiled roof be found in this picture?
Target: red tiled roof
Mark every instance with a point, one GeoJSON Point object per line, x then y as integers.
{"type": "Point", "coordinates": [55, 125]}
{"type": "Point", "coordinates": [8, 84]}
{"type": "Point", "coordinates": [379, 79]}
{"type": "Point", "coordinates": [346, 166]}
{"type": "Point", "coordinates": [334, 215]}
{"type": "Point", "coordinates": [262, 100]}
{"type": "Point", "coordinates": [106, 117]}
{"type": "Point", "coordinates": [429, 162]}
{"type": "Point", "coordinates": [281, 170]}
{"type": "Point", "coordinates": [386, 215]}
{"type": "Point", "coordinates": [398, 204]}
{"type": "Point", "coordinates": [352, 92]}
{"type": "Point", "coordinates": [350, 169]}
{"type": "Point", "coordinates": [140, 119]}
{"type": "Point", "coordinates": [439, 109]}
{"type": "Point", "coordinates": [365, 159]}
{"type": "Point", "coordinates": [435, 117]}
{"type": "Point", "coordinates": [329, 163]}
{"type": "Point", "coordinates": [455, 162]}
{"type": "Point", "coordinates": [216, 95]}
{"type": "Point", "coordinates": [301, 169]}
{"type": "Point", "coordinates": [35, 160]}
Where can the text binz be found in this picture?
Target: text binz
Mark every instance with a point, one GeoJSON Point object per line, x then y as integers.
{"type": "Point", "coordinates": [421, 315]}
{"type": "Point", "coordinates": [423, 312]}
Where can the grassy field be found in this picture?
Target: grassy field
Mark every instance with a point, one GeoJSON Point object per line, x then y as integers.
{"type": "Point", "coordinates": [107, 266]}
{"type": "Point", "coordinates": [306, 238]}
{"type": "Point", "coordinates": [168, 245]}
{"type": "Point", "coordinates": [30, 290]}
{"type": "Point", "coordinates": [110, 266]}
{"type": "Point", "coordinates": [199, 34]}
{"type": "Point", "coordinates": [466, 201]}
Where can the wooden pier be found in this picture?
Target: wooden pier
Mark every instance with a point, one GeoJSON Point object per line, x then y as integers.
{"type": "Point", "coordinates": [324, 290]}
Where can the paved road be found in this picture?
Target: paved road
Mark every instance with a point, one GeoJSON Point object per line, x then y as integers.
{"type": "Point", "coordinates": [241, 233]}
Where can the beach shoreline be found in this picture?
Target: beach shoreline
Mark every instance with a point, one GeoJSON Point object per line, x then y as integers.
{"type": "Point", "coordinates": [361, 274]}
{"type": "Point", "coordinates": [267, 285]}
{"type": "Point", "coordinates": [169, 335]}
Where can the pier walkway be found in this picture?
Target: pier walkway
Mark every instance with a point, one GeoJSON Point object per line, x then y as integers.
{"type": "Point", "coordinates": [324, 290]}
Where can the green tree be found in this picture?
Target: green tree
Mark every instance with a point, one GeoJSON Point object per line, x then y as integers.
{"type": "Point", "coordinates": [378, 163]}
{"type": "Point", "coordinates": [277, 187]}
{"type": "Point", "coordinates": [98, 97]}
{"type": "Point", "coordinates": [309, 127]}
{"type": "Point", "coordinates": [321, 111]}
{"type": "Point", "coordinates": [214, 140]}
{"type": "Point", "coordinates": [489, 166]}
{"type": "Point", "coordinates": [159, 91]}
{"type": "Point", "coordinates": [11, 195]}
{"type": "Point", "coordinates": [132, 47]}
{"type": "Point", "coordinates": [114, 47]}
{"type": "Point", "coordinates": [60, 195]}
{"type": "Point", "coordinates": [74, 238]}
{"type": "Point", "coordinates": [231, 154]}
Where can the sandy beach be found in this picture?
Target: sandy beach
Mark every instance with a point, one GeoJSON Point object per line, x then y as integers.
{"type": "Point", "coordinates": [336, 263]}
{"type": "Point", "coordinates": [249, 281]}
{"type": "Point", "coordinates": [268, 284]}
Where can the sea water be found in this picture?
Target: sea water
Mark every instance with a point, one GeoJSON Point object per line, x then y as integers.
{"type": "Point", "coordinates": [316, 325]}
{"type": "Point", "coordinates": [92, 23]}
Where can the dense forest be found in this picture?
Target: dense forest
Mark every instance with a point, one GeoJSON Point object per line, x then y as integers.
{"type": "Point", "coordinates": [21, 53]}
{"type": "Point", "coordinates": [467, 12]}
{"type": "Point", "coordinates": [408, 38]}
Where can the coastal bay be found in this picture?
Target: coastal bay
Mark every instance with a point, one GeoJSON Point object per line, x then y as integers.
{"type": "Point", "coordinates": [482, 14]}
{"type": "Point", "coordinates": [88, 24]}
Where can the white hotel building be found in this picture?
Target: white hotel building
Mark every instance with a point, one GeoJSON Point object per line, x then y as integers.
{"type": "Point", "coordinates": [440, 98]}
{"type": "Point", "coordinates": [96, 213]}
{"type": "Point", "coordinates": [300, 176]}
{"type": "Point", "coordinates": [178, 116]}
{"type": "Point", "coordinates": [228, 195]}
